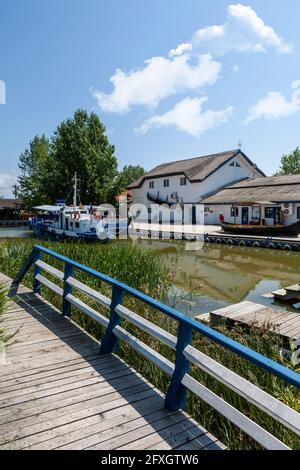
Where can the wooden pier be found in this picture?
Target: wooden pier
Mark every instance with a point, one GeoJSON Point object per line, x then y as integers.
{"type": "Point", "coordinates": [285, 324]}
{"type": "Point", "coordinates": [57, 391]}
{"type": "Point", "coordinates": [61, 389]}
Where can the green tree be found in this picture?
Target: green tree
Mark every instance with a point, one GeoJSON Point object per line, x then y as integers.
{"type": "Point", "coordinates": [131, 173]}
{"type": "Point", "coordinates": [32, 185]}
{"type": "Point", "coordinates": [290, 163]}
{"type": "Point", "coordinates": [78, 144]}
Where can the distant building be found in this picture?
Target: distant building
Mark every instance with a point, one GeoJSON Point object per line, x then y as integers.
{"type": "Point", "coordinates": [9, 209]}
{"type": "Point", "coordinates": [269, 200]}
{"type": "Point", "coordinates": [190, 180]}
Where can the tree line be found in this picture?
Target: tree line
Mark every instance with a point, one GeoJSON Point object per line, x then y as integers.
{"type": "Point", "coordinates": [78, 144]}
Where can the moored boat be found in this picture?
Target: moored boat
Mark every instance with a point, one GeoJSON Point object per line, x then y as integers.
{"type": "Point", "coordinates": [262, 230]}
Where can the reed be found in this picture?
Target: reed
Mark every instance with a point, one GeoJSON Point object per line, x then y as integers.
{"type": "Point", "coordinates": [145, 271]}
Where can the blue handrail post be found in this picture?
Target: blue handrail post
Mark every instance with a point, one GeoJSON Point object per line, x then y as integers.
{"type": "Point", "coordinates": [109, 342]}
{"type": "Point", "coordinates": [66, 306]}
{"type": "Point", "coordinates": [36, 271]}
{"type": "Point", "coordinates": [176, 394]}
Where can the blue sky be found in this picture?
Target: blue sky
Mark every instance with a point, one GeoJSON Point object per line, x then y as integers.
{"type": "Point", "coordinates": [216, 72]}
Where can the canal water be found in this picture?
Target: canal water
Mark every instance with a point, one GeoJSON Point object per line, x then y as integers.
{"type": "Point", "coordinates": [220, 275]}
{"type": "Point", "coordinates": [216, 275]}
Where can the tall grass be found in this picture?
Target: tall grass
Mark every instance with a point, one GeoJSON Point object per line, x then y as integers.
{"type": "Point", "coordinates": [145, 271]}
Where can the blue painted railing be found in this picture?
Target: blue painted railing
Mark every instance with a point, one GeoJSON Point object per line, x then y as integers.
{"type": "Point", "coordinates": [176, 394]}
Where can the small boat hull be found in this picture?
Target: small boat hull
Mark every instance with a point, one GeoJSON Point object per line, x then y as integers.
{"type": "Point", "coordinates": [262, 230]}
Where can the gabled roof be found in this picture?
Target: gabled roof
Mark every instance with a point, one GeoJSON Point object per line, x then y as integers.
{"type": "Point", "coordinates": [195, 169]}
{"type": "Point", "coordinates": [8, 203]}
{"type": "Point", "coordinates": [271, 188]}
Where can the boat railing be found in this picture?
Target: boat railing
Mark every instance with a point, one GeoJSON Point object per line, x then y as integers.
{"type": "Point", "coordinates": [186, 353]}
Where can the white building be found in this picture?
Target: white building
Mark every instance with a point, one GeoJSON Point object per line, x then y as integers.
{"type": "Point", "coordinates": [269, 200]}
{"type": "Point", "coordinates": [190, 181]}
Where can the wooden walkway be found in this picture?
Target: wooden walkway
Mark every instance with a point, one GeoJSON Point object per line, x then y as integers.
{"type": "Point", "coordinates": [285, 324]}
{"type": "Point", "coordinates": [58, 392]}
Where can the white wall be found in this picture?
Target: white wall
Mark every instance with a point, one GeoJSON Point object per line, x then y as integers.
{"type": "Point", "coordinates": [212, 213]}
{"type": "Point", "coordinates": [192, 192]}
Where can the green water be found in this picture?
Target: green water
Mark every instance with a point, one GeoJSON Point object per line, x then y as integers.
{"type": "Point", "coordinates": [15, 232]}
{"type": "Point", "coordinates": [220, 275]}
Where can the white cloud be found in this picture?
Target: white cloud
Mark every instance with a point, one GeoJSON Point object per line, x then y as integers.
{"type": "Point", "coordinates": [182, 48]}
{"type": "Point", "coordinates": [7, 179]}
{"type": "Point", "coordinates": [161, 77]}
{"type": "Point", "coordinates": [235, 68]}
{"type": "Point", "coordinates": [188, 116]}
{"type": "Point", "coordinates": [2, 92]}
{"type": "Point", "coordinates": [274, 105]}
{"type": "Point", "coordinates": [244, 31]}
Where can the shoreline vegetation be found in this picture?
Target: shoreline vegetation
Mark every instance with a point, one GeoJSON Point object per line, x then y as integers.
{"type": "Point", "coordinates": [144, 270]}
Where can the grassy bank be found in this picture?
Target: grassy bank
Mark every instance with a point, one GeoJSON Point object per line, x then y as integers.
{"type": "Point", "coordinates": [144, 270]}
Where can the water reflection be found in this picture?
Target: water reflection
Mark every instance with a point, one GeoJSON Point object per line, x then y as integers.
{"type": "Point", "coordinates": [15, 232]}
{"type": "Point", "coordinates": [219, 275]}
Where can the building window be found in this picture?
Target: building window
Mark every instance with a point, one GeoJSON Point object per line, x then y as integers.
{"type": "Point", "coordinates": [77, 224]}
{"type": "Point", "coordinates": [234, 212]}
{"type": "Point", "coordinates": [151, 184]}
{"type": "Point", "coordinates": [166, 183]}
{"type": "Point", "coordinates": [235, 164]}
{"type": "Point", "coordinates": [182, 181]}
{"type": "Point", "coordinates": [269, 212]}
{"type": "Point", "coordinates": [298, 212]}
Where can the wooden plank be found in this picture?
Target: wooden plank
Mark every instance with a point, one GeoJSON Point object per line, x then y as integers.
{"type": "Point", "coordinates": [69, 396]}
{"type": "Point", "coordinates": [43, 391]}
{"type": "Point", "coordinates": [50, 269]}
{"type": "Point", "coordinates": [260, 316]}
{"type": "Point", "coordinates": [157, 359]}
{"type": "Point", "coordinates": [100, 298]}
{"type": "Point", "coordinates": [246, 389]}
{"type": "Point", "coordinates": [89, 311]}
{"type": "Point", "coordinates": [87, 369]}
{"type": "Point", "coordinates": [27, 426]}
{"type": "Point", "coordinates": [111, 425]}
{"type": "Point", "coordinates": [164, 432]}
{"type": "Point", "coordinates": [43, 280]}
{"type": "Point", "coordinates": [30, 435]}
{"type": "Point", "coordinates": [263, 437]}
{"type": "Point", "coordinates": [71, 432]}
{"type": "Point", "coordinates": [147, 326]}
{"type": "Point", "coordinates": [57, 392]}
{"type": "Point", "coordinates": [18, 382]}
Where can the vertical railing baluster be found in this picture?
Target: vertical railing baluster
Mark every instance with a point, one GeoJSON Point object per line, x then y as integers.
{"type": "Point", "coordinates": [36, 271]}
{"type": "Point", "coordinates": [109, 342]}
{"type": "Point", "coordinates": [66, 306]}
{"type": "Point", "coordinates": [176, 394]}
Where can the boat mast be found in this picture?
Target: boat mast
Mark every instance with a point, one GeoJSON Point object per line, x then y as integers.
{"type": "Point", "coordinates": [75, 190]}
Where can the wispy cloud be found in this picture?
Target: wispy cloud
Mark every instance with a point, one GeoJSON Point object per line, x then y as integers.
{"type": "Point", "coordinates": [7, 180]}
{"type": "Point", "coordinates": [244, 31]}
{"type": "Point", "coordinates": [274, 105]}
{"type": "Point", "coordinates": [188, 116]}
{"type": "Point", "coordinates": [192, 66]}
{"type": "Point", "coordinates": [2, 92]}
{"type": "Point", "coordinates": [161, 77]}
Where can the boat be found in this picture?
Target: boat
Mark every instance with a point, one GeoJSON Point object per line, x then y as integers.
{"type": "Point", "coordinates": [90, 223]}
{"type": "Point", "coordinates": [262, 230]}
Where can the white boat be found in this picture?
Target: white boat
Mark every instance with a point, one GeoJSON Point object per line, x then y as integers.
{"type": "Point", "coordinates": [78, 222]}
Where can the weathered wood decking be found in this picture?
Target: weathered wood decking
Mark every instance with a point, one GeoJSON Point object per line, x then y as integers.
{"type": "Point", "coordinates": [285, 324]}
{"type": "Point", "coordinates": [58, 392]}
